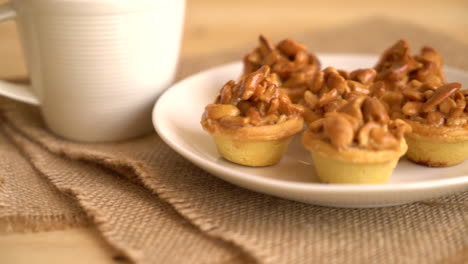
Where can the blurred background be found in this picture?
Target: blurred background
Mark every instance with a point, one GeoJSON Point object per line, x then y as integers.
{"type": "Point", "coordinates": [217, 24]}
{"type": "Point", "coordinates": [213, 26]}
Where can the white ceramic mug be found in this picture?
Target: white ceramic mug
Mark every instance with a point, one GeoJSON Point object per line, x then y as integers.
{"type": "Point", "coordinates": [96, 66]}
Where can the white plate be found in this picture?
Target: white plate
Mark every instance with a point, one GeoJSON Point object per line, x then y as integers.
{"type": "Point", "coordinates": [176, 117]}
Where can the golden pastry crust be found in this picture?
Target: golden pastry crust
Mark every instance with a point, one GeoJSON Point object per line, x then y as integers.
{"type": "Point", "coordinates": [440, 152]}
{"type": "Point", "coordinates": [267, 132]}
{"type": "Point", "coordinates": [440, 133]}
{"type": "Point", "coordinates": [352, 164]}
{"type": "Point", "coordinates": [253, 153]}
{"type": "Point", "coordinates": [331, 170]}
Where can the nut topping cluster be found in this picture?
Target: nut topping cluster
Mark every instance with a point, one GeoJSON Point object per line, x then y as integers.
{"type": "Point", "coordinates": [445, 105]}
{"type": "Point", "coordinates": [395, 65]}
{"type": "Point", "coordinates": [396, 68]}
{"type": "Point", "coordinates": [332, 88]}
{"type": "Point", "coordinates": [363, 123]}
{"type": "Point", "coordinates": [288, 59]}
{"type": "Point", "coordinates": [416, 90]}
{"type": "Point", "coordinates": [255, 101]}
{"type": "Point", "coordinates": [431, 72]}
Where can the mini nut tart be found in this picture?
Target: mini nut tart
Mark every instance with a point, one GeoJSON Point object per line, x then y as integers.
{"type": "Point", "coordinates": [357, 144]}
{"type": "Point", "coordinates": [252, 122]}
{"type": "Point", "coordinates": [418, 93]}
{"type": "Point", "coordinates": [440, 125]}
{"type": "Point", "coordinates": [289, 62]}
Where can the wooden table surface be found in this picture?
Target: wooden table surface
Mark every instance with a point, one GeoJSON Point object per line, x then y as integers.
{"type": "Point", "coordinates": [214, 26]}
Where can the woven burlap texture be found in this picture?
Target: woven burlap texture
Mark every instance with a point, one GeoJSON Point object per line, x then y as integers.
{"type": "Point", "coordinates": [156, 207]}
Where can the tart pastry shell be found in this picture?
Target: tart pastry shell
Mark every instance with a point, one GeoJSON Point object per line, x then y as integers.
{"type": "Point", "coordinates": [352, 165]}
{"type": "Point", "coordinates": [255, 146]}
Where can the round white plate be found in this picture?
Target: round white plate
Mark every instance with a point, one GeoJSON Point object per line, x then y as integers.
{"type": "Point", "coordinates": [177, 114]}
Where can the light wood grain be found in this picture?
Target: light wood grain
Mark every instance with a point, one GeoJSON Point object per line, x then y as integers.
{"type": "Point", "coordinates": [214, 26]}
{"type": "Point", "coordinates": [75, 245]}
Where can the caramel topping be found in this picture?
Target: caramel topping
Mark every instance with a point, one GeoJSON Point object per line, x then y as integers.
{"type": "Point", "coordinates": [362, 122]}
{"type": "Point", "coordinates": [395, 65]}
{"type": "Point", "coordinates": [415, 88]}
{"type": "Point", "coordinates": [218, 111]}
{"type": "Point", "coordinates": [431, 71]}
{"type": "Point", "coordinates": [332, 89]}
{"type": "Point", "coordinates": [358, 81]}
{"type": "Point", "coordinates": [255, 101]}
{"type": "Point", "coordinates": [444, 106]}
{"type": "Point", "coordinates": [339, 130]}
{"type": "Point", "coordinates": [288, 59]}
{"type": "Point", "coordinates": [290, 47]}
{"type": "Point", "coordinates": [374, 111]}
{"type": "Point", "coordinates": [365, 76]}
{"type": "Point", "coordinates": [439, 95]}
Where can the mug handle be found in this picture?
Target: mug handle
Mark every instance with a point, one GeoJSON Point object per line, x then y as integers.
{"type": "Point", "coordinates": [15, 91]}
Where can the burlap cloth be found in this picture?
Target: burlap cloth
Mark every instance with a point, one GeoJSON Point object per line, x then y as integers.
{"type": "Point", "coordinates": [156, 207]}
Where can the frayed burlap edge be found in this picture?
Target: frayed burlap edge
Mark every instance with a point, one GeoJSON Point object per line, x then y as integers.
{"type": "Point", "coordinates": [137, 170]}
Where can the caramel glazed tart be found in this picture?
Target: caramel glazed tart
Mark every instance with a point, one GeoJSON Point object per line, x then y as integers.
{"type": "Point", "coordinates": [252, 122]}
{"type": "Point", "coordinates": [437, 111]}
{"type": "Point", "coordinates": [357, 144]}
{"type": "Point", "coordinates": [440, 127]}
